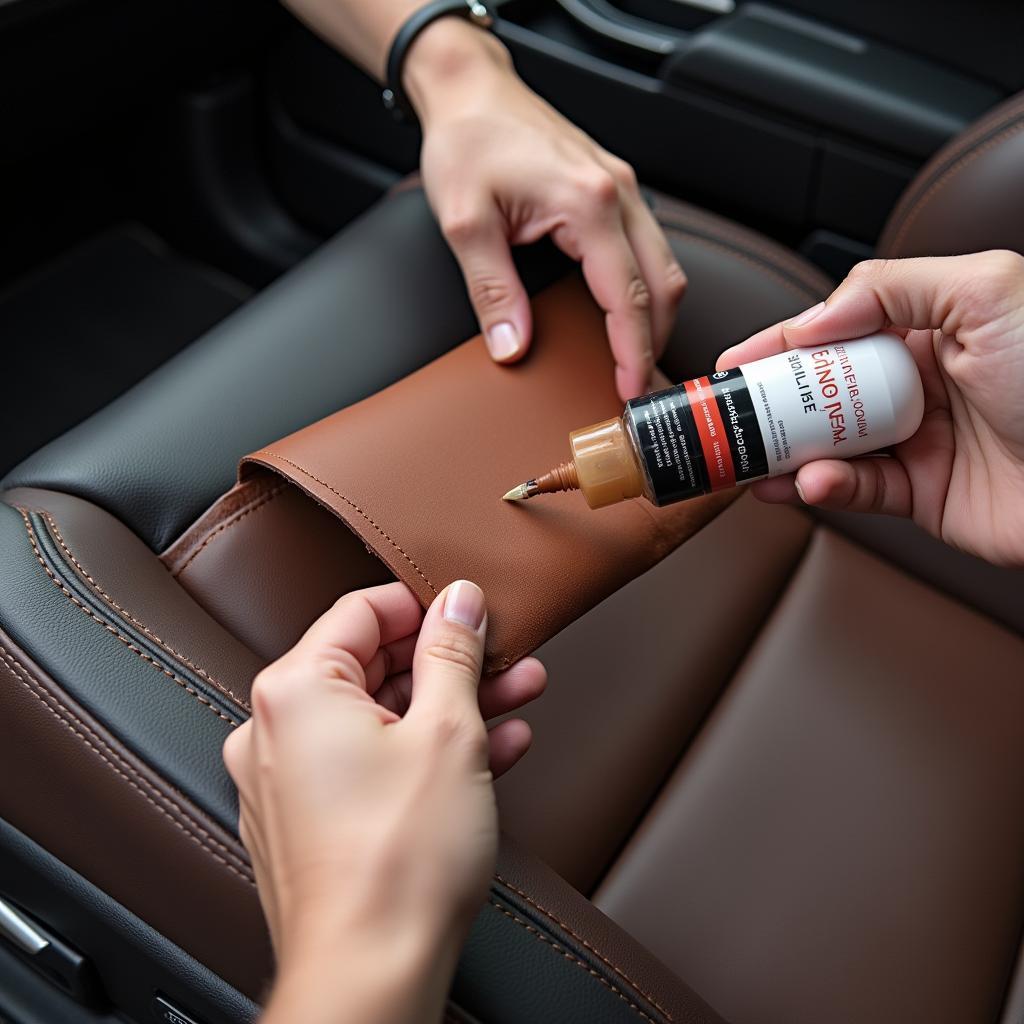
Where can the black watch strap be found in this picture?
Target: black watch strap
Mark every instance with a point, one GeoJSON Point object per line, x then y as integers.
{"type": "Point", "coordinates": [394, 96]}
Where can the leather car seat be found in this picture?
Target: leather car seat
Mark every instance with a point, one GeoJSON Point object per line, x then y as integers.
{"type": "Point", "coordinates": [779, 778]}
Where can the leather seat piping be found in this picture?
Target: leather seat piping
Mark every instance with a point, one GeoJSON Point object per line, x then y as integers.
{"type": "Point", "coordinates": [561, 951]}
{"type": "Point", "coordinates": [125, 613]}
{"type": "Point", "coordinates": [990, 131]}
{"type": "Point", "coordinates": [163, 801]}
{"type": "Point", "coordinates": [579, 938]}
{"type": "Point", "coordinates": [193, 691]}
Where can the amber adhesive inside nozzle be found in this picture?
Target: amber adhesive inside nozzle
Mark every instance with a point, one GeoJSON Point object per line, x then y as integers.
{"type": "Point", "coordinates": [604, 466]}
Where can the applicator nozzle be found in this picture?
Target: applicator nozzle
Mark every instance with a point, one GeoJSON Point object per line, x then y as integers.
{"type": "Point", "coordinates": [522, 492]}
{"type": "Point", "coordinates": [561, 478]}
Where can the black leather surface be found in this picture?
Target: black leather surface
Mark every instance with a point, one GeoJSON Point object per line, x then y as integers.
{"type": "Point", "coordinates": [98, 319]}
{"type": "Point", "coordinates": [514, 969]}
{"type": "Point", "coordinates": [377, 302]}
{"type": "Point", "coordinates": [131, 958]}
{"type": "Point", "coordinates": [149, 712]}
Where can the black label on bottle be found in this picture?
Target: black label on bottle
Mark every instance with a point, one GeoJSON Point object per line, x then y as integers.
{"type": "Point", "coordinates": [699, 437]}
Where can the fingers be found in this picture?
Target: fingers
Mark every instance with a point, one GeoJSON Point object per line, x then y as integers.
{"type": "Point", "coordinates": [923, 294]}
{"type": "Point", "coordinates": [665, 279]}
{"type": "Point", "coordinates": [500, 694]}
{"type": "Point", "coordinates": [777, 490]}
{"type": "Point", "coordinates": [758, 346]}
{"type": "Point", "coordinates": [512, 689]}
{"type": "Point", "coordinates": [390, 661]}
{"type": "Point", "coordinates": [507, 742]}
{"type": "Point", "coordinates": [344, 640]}
{"type": "Point", "coordinates": [613, 275]}
{"type": "Point", "coordinates": [946, 293]}
{"type": "Point", "coordinates": [499, 299]}
{"type": "Point", "coordinates": [876, 484]}
{"type": "Point", "coordinates": [449, 658]}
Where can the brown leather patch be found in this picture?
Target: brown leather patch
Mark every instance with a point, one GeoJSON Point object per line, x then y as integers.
{"type": "Point", "coordinates": [418, 471]}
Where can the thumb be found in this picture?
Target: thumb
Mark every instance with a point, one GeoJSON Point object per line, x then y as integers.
{"type": "Point", "coordinates": [449, 657]}
{"type": "Point", "coordinates": [923, 293]}
{"type": "Point", "coordinates": [499, 299]}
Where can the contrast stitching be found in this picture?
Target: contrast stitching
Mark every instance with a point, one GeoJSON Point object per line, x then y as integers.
{"type": "Point", "coordinates": [579, 963]}
{"type": "Point", "coordinates": [131, 618]}
{"type": "Point", "coordinates": [987, 127]}
{"type": "Point", "coordinates": [348, 501]}
{"type": "Point", "coordinates": [47, 699]}
{"type": "Point", "coordinates": [947, 175]}
{"type": "Point", "coordinates": [797, 288]}
{"type": "Point", "coordinates": [110, 629]}
{"type": "Point", "coordinates": [579, 938]}
{"type": "Point", "coordinates": [228, 523]}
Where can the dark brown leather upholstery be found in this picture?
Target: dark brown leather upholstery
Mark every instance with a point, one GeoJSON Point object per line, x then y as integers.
{"type": "Point", "coordinates": [792, 771]}
{"type": "Point", "coordinates": [632, 682]}
{"type": "Point", "coordinates": [849, 814]}
{"type": "Point", "coordinates": [969, 196]}
{"type": "Point", "coordinates": [109, 816]}
{"type": "Point", "coordinates": [267, 540]}
{"type": "Point", "coordinates": [850, 811]}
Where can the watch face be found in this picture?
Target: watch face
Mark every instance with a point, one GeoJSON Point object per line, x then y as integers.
{"type": "Point", "coordinates": [479, 13]}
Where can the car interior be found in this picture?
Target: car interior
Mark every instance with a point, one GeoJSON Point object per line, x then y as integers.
{"type": "Point", "coordinates": [776, 779]}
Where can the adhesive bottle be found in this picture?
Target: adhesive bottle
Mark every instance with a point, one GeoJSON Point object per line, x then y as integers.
{"type": "Point", "coordinates": [760, 419]}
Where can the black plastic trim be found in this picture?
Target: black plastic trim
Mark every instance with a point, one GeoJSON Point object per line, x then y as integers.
{"type": "Point", "coordinates": [132, 959]}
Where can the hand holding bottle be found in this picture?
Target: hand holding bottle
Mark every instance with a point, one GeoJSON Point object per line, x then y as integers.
{"type": "Point", "coordinates": [961, 475]}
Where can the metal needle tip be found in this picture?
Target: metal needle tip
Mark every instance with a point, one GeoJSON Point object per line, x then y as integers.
{"type": "Point", "coordinates": [520, 493]}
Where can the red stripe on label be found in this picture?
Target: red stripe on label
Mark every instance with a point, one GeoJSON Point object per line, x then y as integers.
{"type": "Point", "coordinates": [711, 429]}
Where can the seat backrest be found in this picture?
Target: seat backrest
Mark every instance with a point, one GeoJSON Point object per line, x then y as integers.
{"type": "Point", "coordinates": [969, 196]}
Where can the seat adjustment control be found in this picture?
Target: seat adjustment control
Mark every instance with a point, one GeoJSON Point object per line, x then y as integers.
{"type": "Point", "coordinates": [50, 955]}
{"type": "Point", "coordinates": [167, 1013]}
{"type": "Point", "coordinates": [17, 928]}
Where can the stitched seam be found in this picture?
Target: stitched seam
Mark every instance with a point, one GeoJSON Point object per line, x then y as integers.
{"type": "Point", "coordinates": [573, 959]}
{"type": "Point", "coordinates": [946, 176]}
{"type": "Point", "coordinates": [69, 720]}
{"type": "Point", "coordinates": [348, 501]}
{"type": "Point", "coordinates": [579, 938]}
{"type": "Point", "coordinates": [227, 524]}
{"type": "Point", "coordinates": [131, 618]}
{"type": "Point", "coordinates": [110, 629]}
{"type": "Point", "coordinates": [985, 128]}
{"type": "Point", "coordinates": [792, 286]}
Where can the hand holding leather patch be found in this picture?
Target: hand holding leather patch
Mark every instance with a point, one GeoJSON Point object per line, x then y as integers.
{"type": "Point", "coordinates": [417, 472]}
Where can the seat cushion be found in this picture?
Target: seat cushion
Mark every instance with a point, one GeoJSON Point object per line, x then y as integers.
{"type": "Point", "coordinates": [370, 306]}
{"type": "Point", "coordinates": [105, 314]}
{"type": "Point", "coordinates": [844, 841]}
{"type": "Point", "coordinates": [797, 805]}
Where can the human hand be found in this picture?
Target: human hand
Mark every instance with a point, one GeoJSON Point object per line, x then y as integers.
{"type": "Point", "coordinates": [501, 168]}
{"type": "Point", "coordinates": [367, 802]}
{"type": "Point", "coordinates": [961, 476]}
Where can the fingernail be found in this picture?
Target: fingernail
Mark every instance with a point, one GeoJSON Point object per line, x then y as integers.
{"type": "Point", "coordinates": [806, 316]}
{"type": "Point", "coordinates": [464, 603]}
{"type": "Point", "coordinates": [503, 340]}
{"type": "Point", "coordinates": [800, 491]}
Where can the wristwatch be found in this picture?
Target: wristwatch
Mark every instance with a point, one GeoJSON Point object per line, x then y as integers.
{"type": "Point", "coordinates": [394, 96]}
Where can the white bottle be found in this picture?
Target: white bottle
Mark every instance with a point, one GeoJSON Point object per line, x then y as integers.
{"type": "Point", "coordinates": [760, 419]}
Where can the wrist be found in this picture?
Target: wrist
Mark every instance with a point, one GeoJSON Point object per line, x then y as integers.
{"type": "Point", "coordinates": [450, 61]}
{"type": "Point", "coordinates": [400, 978]}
